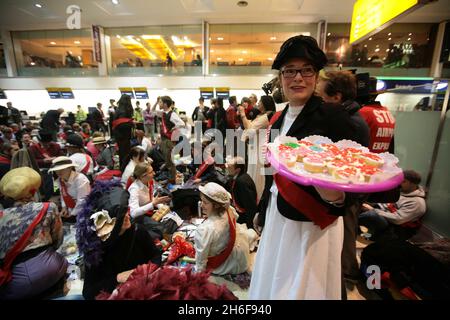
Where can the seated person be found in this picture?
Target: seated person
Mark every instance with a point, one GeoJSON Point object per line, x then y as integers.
{"type": "Point", "coordinates": [46, 150]}
{"type": "Point", "coordinates": [243, 191]}
{"type": "Point", "coordinates": [221, 245]}
{"type": "Point", "coordinates": [73, 186]}
{"type": "Point", "coordinates": [141, 200]}
{"type": "Point", "coordinates": [36, 266]}
{"type": "Point", "coordinates": [6, 151]}
{"type": "Point", "coordinates": [137, 155]}
{"type": "Point", "coordinates": [106, 153]}
{"type": "Point", "coordinates": [405, 213]}
{"type": "Point", "coordinates": [90, 145]}
{"type": "Point", "coordinates": [77, 153]}
{"type": "Point", "coordinates": [143, 141]}
{"type": "Point", "coordinates": [111, 245]}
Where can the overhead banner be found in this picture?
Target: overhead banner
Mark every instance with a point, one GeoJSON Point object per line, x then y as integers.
{"type": "Point", "coordinates": [207, 92]}
{"type": "Point", "coordinates": [141, 93]}
{"type": "Point", "coordinates": [54, 93]}
{"type": "Point", "coordinates": [127, 91]}
{"type": "Point", "coordinates": [2, 94]}
{"type": "Point", "coordinates": [223, 93]}
{"type": "Point", "coordinates": [66, 93]}
{"type": "Point", "coordinates": [371, 16]}
{"type": "Point", "coordinates": [96, 43]}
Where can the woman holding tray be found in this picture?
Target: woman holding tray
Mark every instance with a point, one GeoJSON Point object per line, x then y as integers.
{"type": "Point", "coordinates": [299, 256]}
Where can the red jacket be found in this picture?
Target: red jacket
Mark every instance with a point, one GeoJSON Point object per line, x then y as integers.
{"type": "Point", "coordinates": [232, 118]}
{"type": "Point", "coordinates": [381, 123]}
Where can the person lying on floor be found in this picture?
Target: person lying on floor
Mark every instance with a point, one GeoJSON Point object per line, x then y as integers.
{"type": "Point", "coordinates": [111, 245]}
{"type": "Point", "coordinates": [406, 213]}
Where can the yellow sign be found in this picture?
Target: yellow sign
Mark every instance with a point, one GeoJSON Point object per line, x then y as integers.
{"type": "Point", "coordinates": [207, 89]}
{"type": "Point", "coordinates": [223, 89]}
{"type": "Point", "coordinates": [371, 16]}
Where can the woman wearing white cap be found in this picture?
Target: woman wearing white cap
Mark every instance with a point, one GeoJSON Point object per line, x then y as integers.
{"type": "Point", "coordinates": [221, 245]}
{"type": "Point", "coordinates": [73, 186]}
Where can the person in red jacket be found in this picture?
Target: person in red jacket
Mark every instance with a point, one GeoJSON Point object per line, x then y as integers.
{"type": "Point", "coordinates": [232, 118]}
{"type": "Point", "coordinates": [380, 120]}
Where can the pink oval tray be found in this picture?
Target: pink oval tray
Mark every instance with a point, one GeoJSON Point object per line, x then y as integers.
{"type": "Point", "coordinates": [347, 187]}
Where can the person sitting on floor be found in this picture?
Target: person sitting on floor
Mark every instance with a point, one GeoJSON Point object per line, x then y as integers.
{"type": "Point", "coordinates": [243, 191]}
{"type": "Point", "coordinates": [106, 154]}
{"type": "Point", "coordinates": [137, 155]}
{"type": "Point", "coordinates": [141, 190]}
{"type": "Point", "coordinates": [112, 247]}
{"type": "Point", "coordinates": [30, 264]}
{"type": "Point", "coordinates": [405, 214]}
{"type": "Point", "coordinates": [73, 186]}
{"type": "Point", "coordinates": [221, 245]}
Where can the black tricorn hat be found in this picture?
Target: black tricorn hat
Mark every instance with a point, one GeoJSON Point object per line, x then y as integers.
{"type": "Point", "coordinates": [300, 47]}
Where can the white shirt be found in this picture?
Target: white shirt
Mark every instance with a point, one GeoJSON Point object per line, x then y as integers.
{"type": "Point", "coordinates": [146, 144]}
{"type": "Point", "coordinates": [139, 202]}
{"type": "Point", "coordinates": [174, 118]}
{"type": "Point", "coordinates": [80, 159]}
{"type": "Point", "coordinates": [128, 172]}
{"type": "Point", "coordinates": [78, 187]}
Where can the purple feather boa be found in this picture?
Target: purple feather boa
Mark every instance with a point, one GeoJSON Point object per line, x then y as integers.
{"type": "Point", "coordinates": [89, 244]}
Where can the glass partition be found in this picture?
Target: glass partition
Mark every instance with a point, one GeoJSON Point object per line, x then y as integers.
{"type": "Point", "coordinates": [417, 122]}
{"type": "Point", "coordinates": [54, 53]}
{"type": "Point", "coordinates": [163, 50]}
{"type": "Point", "coordinates": [241, 49]}
{"type": "Point", "coordinates": [438, 201]}
{"type": "Point", "coordinates": [402, 49]}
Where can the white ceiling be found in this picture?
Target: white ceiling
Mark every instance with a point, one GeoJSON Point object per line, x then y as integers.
{"type": "Point", "coordinates": [23, 15]}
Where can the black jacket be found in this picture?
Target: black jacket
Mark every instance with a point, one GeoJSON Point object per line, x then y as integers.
{"type": "Point", "coordinates": [15, 116]}
{"type": "Point", "coordinates": [316, 118]}
{"type": "Point", "coordinates": [361, 127]}
{"type": "Point", "coordinates": [243, 191]}
{"type": "Point", "coordinates": [219, 119]}
{"type": "Point", "coordinates": [50, 120]}
{"type": "Point", "coordinates": [197, 110]}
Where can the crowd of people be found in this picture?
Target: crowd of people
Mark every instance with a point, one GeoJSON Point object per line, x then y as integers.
{"type": "Point", "coordinates": [110, 171]}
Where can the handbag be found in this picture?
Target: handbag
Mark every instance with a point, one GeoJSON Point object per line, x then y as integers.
{"type": "Point", "coordinates": [5, 270]}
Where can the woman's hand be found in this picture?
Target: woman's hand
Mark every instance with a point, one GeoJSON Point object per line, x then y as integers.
{"type": "Point", "coordinates": [65, 213]}
{"type": "Point", "coordinates": [241, 111]}
{"type": "Point", "coordinates": [158, 200]}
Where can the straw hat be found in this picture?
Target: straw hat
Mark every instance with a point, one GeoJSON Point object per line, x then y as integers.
{"type": "Point", "coordinates": [20, 183]}
{"type": "Point", "coordinates": [98, 140]}
{"type": "Point", "coordinates": [61, 163]}
{"type": "Point", "coordinates": [216, 192]}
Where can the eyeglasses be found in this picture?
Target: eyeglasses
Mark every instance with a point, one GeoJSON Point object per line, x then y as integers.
{"type": "Point", "coordinates": [292, 73]}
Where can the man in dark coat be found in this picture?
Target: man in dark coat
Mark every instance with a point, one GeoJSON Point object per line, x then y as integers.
{"type": "Point", "coordinates": [14, 115]}
{"type": "Point", "coordinates": [3, 116]}
{"type": "Point", "coordinates": [50, 122]}
{"type": "Point", "coordinates": [98, 119]}
{"type": "Point", "coordinates": [243, 191]}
